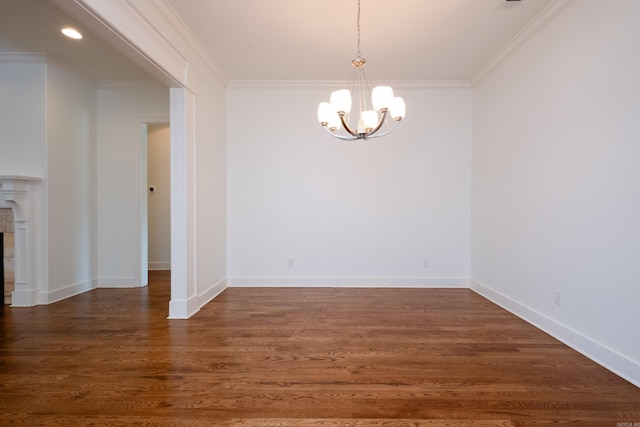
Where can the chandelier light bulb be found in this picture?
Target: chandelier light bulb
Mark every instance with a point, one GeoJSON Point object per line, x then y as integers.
{"type": "Point", "coordinates": [369, 120]}
{"type": "Point", "coordinates": [334, 124]}
{"type": "Point", "coordinates": [341, 101]}
{"type": "Point", "coordinates": [382, 96]}
{"type": "Point", "coordinates": [325, 113]}
{"type": "Point", "coordinates": [397, 109]}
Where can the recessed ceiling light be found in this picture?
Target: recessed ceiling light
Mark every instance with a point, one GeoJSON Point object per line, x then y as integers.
{"type": "Point", "coordinates": [512, 3]}
{"type": "Point", "coordinates": [71, 33]}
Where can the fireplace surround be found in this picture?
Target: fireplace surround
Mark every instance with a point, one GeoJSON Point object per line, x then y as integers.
{"type": "Point", "coordinates": [2, 266]}
{"type": "Point", "coordinates": [18, 192]}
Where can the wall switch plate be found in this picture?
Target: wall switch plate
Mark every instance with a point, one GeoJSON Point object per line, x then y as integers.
{"type": "Point", "coordinates": [425, 263]}
{"type": "Point", "coordinates": [557, 297]}
{"type": "Point", "coordinates": [290, 262]}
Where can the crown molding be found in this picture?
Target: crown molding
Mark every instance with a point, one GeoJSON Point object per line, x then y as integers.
{"type": "Point", "coordinates": [191, 72]}
{"type": "Point", "coordinates": [133, 84]}
{"type": "Point", "coordinates": [177, 22]}
{"type": "Point", "coordinates": [161, 43]}
{"type": "Point", "coordinates": [324, 84]}
{"type": "Point", "coordinates": [22, 57]}
{"type": "Point", "coordinates": [523, 35]}
{"type": "Point", "coordinates": [427, 84]}
{"type": "Point", "coordinates": [44, 59]}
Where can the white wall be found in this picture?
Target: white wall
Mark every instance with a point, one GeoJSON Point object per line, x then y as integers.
{"type": "Point", "coordinates": [122, 179]}
{"type": "Point", "coordinates": [159, 201]}
{"type": "Point", "coordinates": [341, 211]}
{"type": "Point", "coordinates": [22, 115]}
{"type": "Point", "coordinates": [556, 199]}
{"type": "Point", "coordinates": [211, 189]}
{"type": "Point", "coordinates": [71, 184]}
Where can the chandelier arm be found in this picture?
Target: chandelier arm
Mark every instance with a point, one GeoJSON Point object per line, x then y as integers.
{"type": "Point", "coordinates": [382, 119]}
{"type": "Point", "coordinates": [342, 137]}
{"type": "Point", "coordinates": [346, 126]}
{"type": "Point", "coordinates": [378, 135]}
{"type": "Point", "coordinates": [347, 138]}
{"type": "Point", "coordinates": [387, 132]}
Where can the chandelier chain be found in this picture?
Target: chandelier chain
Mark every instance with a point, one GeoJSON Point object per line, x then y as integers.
{"type": "Point", "coordinates": [358, 55]}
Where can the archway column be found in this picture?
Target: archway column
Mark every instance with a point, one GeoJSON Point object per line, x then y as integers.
{"type": "Point", "coordinates": [184, 298]}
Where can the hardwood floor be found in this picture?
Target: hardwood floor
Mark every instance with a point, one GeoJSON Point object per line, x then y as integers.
{"type": "Point", "coordinates": [296, 357]}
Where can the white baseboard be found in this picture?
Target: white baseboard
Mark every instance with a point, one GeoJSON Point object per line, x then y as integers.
{"type": "Point", "coordinates": [159, 266]}
{"type": "Point", "coordinates": [617, 363]}
{"type": "Point", "coordinates": [349, 282]}
{"type": "Point", "coordinates": [66, 292]}
{"type": "Point", "coordinates": [119, 282]}
{"type": "Point", "coordinates": [24, 298]}
{"type": "Point", "coordinates": [212, 292]}
{"type": "Point", "coordinates": [183, 308]}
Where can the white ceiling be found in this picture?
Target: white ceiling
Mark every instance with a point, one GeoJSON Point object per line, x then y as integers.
{"type": "Point", "coordinates": [402, 40]}
{"type": "Point", "coordinates": [316, 40]}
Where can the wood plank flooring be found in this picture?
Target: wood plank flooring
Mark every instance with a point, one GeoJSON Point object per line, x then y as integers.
{"type": "Point", "coordinates": [296, 357]}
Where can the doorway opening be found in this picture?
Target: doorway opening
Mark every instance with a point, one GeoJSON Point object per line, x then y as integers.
{"type": "Point", "coordinates": [158, 198]}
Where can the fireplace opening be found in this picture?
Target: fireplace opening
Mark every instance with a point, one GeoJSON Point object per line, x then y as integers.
{"type": "Point", "coordinates": [7, 254]}
{"type": "Point", "coordinates": [2, 266]}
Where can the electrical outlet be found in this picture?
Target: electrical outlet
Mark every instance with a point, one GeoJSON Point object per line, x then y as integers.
{"type": "Point", "coordinates": [557, 297]}
{"type": "Point", "coordinates": [425, 263]}
{"type": "Point", "coordinates": [290, 262]}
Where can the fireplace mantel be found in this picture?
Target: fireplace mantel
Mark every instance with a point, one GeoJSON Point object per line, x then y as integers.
{"type": "Point", "coordinates": [19, 179]}
{"type": "Point", "coordinates": [17, 192]}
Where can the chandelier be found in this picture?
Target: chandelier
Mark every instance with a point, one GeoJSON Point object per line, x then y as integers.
{"type": "Point", "coordinates": [373, 116]}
